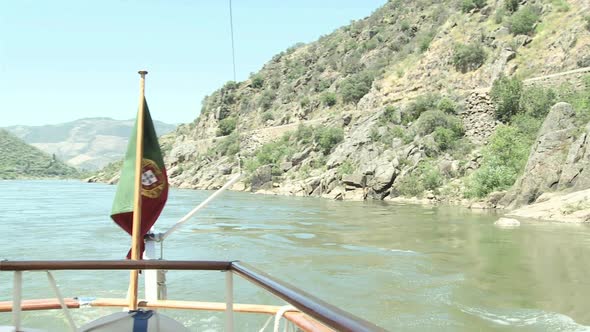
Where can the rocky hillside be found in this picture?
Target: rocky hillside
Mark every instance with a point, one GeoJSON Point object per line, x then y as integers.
{"type": "Point", "coordinates": [89, 143]}
{"type": "Point", "coordinates": [20, 160]}
{"type": "Point", "coordinates": [440, 100]}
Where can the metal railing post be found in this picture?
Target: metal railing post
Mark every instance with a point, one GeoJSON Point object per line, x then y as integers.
{"type": "Point", "coordinates": [229, 301]}
{"type": "Point", "coordinates": [153, 279]}
{"type": "Point", "coordinates": [17, 299]}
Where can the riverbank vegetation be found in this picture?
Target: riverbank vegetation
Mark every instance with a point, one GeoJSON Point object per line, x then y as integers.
{"type": "Point", "coordinates": [522, 111]}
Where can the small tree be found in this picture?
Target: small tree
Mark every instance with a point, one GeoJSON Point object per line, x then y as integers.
{"type": "Point", "coordinates": [226, 126]}
{"type": "Point", "coordinates": [587, 19]}
{"type": "Point", "coordinates": [511, 5]}
{"type": "Point", "coordinates": [356, 86]}
{"type": "Point", "coordinates": [266, 99]}
{"type": "Point", "coordinates": [422, 104]}
{"type": "Point", "coordinates": [537, 101]}
{"type": "Point", "coordinates": [468, 57]}
{"type": "Point", "coordinates": [328, 98]}
{"type": "Point", "coordinates": [446, 105]}
{"type": "Point", "coordinates": [523, 21]}
{"type": "Point", "coordinates": [267, 116]}
{"type": "Point", "coordinates": [506, 93]}
{"type": "Point", "coordinates": [257, 81]}
{"type": "Point", "coordinates": [327, 138]}
{"type": "Point", "coordinates": [430, 120]}
{"type": "Point", "coordinates": [388, 115]}
{"type": "Point", "coordinates": [468, 5]}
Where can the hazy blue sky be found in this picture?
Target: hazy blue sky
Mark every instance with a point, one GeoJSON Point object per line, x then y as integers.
{"type": "Point", "coordinates": [64, 60]}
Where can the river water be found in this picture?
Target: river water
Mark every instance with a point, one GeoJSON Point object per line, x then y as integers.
{"type": "Point", "coordinates": [403, 267]}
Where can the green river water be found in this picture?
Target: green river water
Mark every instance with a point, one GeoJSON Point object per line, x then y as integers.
{"type": "Point", "coordinates": [403, 267]}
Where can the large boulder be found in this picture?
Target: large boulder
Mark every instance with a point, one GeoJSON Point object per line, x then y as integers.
{"type": "Point", "coordinates": [262, 178]}
{"type": "Point", "coordinates": [507, 223]}
{"type": "Point", "coordinates": [548, 155]}
{"type": "Point", "coordinates": [354, 180]}
{"type": "Point", "coordinates": [576, 169]}
{"type": "Point", "coordinates": [300, 156]}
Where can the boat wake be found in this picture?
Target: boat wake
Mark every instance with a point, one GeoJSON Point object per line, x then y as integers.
{"type": "Point", "coordinates": [527, 318]}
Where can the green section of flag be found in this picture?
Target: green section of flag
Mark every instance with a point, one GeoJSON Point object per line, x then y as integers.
{"type": "Point", "coordinates": [151, 150]}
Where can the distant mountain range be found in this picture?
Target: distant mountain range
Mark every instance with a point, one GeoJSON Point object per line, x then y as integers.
{"type": "Point", "coordinates": [88, 143]}
{"type": "Point", "coordinates": [21, 160]}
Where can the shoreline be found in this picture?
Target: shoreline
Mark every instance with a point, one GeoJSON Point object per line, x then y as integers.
{"type": "Point", "coordinates": [555, 207]}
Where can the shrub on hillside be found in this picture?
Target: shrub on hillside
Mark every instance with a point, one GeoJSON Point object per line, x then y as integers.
{"type": "Point", "coordinates": [303, 134]}
{"type": "Point", "coordinates": [560, 5]}
{"type": "Point", "coordinates": [537, 101]}
{"type": "Point", "coordinates": [226, 126]}
{"type": "Point", "coordinates": [579, 99]}
{"type": "Point", "coordinates": [503, 161]}
{"type": "Point", "coordinates": [345, 168]}
{"type": "Point", "coordinates": [322, 85]}
{"type": "Point", "coordinates": [424, 41]}
{"type": "Point", "coordinates": [523, 21]}
{"type": "Point", "coordinates": [374, 134]}
{"type": "Point", "coordinates": [388, 115]}
{"type": "Point", "coordinates": [424, 177]}
{"type": "Point", "coordinates": [527, 125]}
{"type": "Point", "coordinates": [266, 99]}
{"type": "Point", "coordinates": [506, 93]}
{"type": "Point", "coordinates": [257, 81]}
{"type": "Point", "coordinates": [272, 153]}
{"type": "Point", "coordinates": [430, 120]}
{"type": "Point", "coordinates": [266, 116]}
{"type": "Point", "coordinates": [511, 5]}
{"type": "Point", "coordinates": [230, 85]}
{"type": "Point", "coordinates": [499, 15]}
{"type": "Point", "coordinates": [420, 105]}
{"type": "Point", "coordinates": [399, 132]}
{"type": "Point", "coordinates": [304, 102]}
{"type": "Point", "coordinates": [469, 5]}
{"type": "Point", "coordinates": [228, 146]}
{"type": "Point", "coordinates": [587, 19]}
{"type": "Point", "coordinates": [328, 137]}
{"type": "Point", "coordinates": [356, 86]}
{"type": "Point", "coordinates": [328, 98]}
{"type": "Point", "coordinates": [445, 138]}
{"type": "Point", "coordinates": [446, 105]}
{"type": "Point", "coordinates": [468, 57]}
{"type": "Point", "coordinates": [404, 26]}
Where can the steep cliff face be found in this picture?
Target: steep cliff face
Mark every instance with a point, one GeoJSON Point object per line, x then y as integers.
{"type": "Point", "coordinates": [559, 159]}
{"type": "Point", "coordinates": [550, 156]}
{"type": "Point", "coordinates": [395, 104]}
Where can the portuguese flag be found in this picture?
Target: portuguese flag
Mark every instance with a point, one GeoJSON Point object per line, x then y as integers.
{"type": "Point", "coordinates": [154, 182]}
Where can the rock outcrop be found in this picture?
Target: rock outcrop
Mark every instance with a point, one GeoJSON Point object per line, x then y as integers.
{"type": "Point", "coordinates": [383, 109]}
{"type": "Point", "coordinates": [573, 207]}
{"type": "Point", "coordinates": [558, 148]}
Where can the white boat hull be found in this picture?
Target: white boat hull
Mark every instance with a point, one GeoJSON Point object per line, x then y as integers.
{"type": "Point", "coordinates": [124, 321]}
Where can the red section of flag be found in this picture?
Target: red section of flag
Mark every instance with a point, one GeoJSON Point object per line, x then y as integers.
{"type": "Point", "coordinates": [150, 211]}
